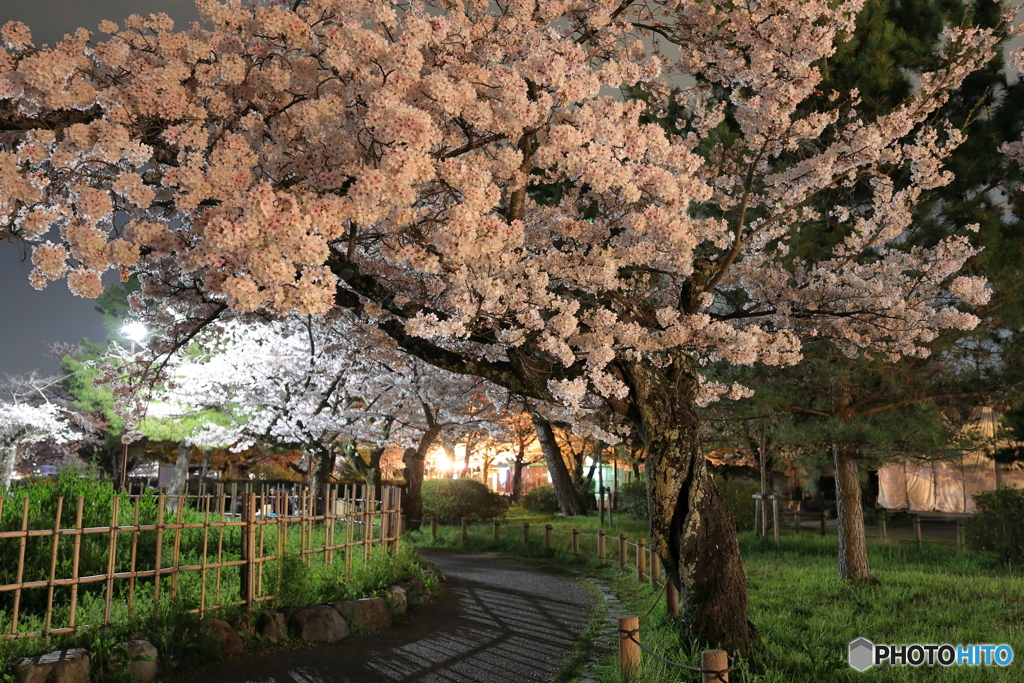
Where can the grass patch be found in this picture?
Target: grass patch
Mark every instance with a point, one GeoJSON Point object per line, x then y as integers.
{"type": "Point", "coordinates": [806, 615]}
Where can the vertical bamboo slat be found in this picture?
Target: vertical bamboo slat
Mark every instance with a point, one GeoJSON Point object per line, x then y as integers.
{"type": "Point", "coordinates": [111, 558]}
{"type": "Point", "coordinates": [53, 565]}
{"type": "Point", "coordinates": [367, 525]}
{"type": "Point", "coordinates": [176, 552]}
{"type": "Point", "coordinates": [159, 546]}
{"type": "Point", "coordinates": [220, 547]}
{"type": "Point", "coordinates": [259, 554]}
{"type": "Point", "coordinates": [21, 565]}
{"type": "Point", "coordinates": [75, 554]}
{"type": "Point", "coordinates": [202, 572]}
{"type": "Point", "coordinates": [134, 553]}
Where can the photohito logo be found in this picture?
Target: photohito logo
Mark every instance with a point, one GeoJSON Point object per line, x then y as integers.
{"type": "Point", "coordinates": [863, 654]}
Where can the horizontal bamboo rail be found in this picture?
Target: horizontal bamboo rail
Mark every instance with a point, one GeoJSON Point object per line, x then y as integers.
{"type": "Point", "coordinates": [345, 521]}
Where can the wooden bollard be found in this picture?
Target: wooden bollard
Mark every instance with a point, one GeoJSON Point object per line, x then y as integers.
{"type": "Point", "coordinates": [575, 541]}
{"type": "Point", "coordinates": [714, 661]}
{"type": "Point", "coordinates": [824, 522]}
{"type": "Point", "coordinates": [917, 529]}
{"type": "Point", "coordinates": [601, 555]}
{"type": "Point", "coordinates": [881, 525]}
{"type": "Point", "coordinates": [622, 550]}
{"type": "Point", "coordinates": [497, 530]}
{"type": "Point", "coordinates": [671, 597]}
{"type": "Point", "coordinates": [959, 535]}
{"type": "Point", "coordinates": [465, 531]}
{"type": "Point", "coordinates": [641, 560]}
{"type": "Point", "coordinates": [775, 517]}
{"type": "Point", "coordinates": [629, 651]}
{"type": "Point", "coordinates": [526, 533]}
{"type": "Point", "coordinates": [549, 548]}
{"type": "Point", "coordinates": [655, 567]}
{"type": "Point", "coordinates": [433, 528]}
{"type": "Point", "coordinates": [796, 520]}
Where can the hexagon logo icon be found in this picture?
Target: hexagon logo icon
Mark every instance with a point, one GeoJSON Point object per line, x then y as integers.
{"type": "Point", "coordinates": [862, 654]}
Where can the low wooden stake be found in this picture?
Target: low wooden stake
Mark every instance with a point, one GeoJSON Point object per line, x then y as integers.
{"type": "Point", "coordinates": [549, 548]}
{"type": "Point", "coordinates": [824, 522]}
{"type": "Point", "coordinates": [714, 660]}
{"type": "Point", "coordinates": [601, 554]}
{"type": "Point", "coordinates": [465, 531]}
{"type": "Point", "coordinates": [575, 541]}
{"type": "Point", "coordinates": [917, 529]}
{"type": "Point", "coordinates": [629, 651]}
{"type": "Point", "coordinates": [671, 597]}
{"type": "Point", "coordinates": [881, 525]}
{"type": "Point", "coordinates": [623, 548]}
{"type": "Point", "coordinates": [960, 535]}
{"type": "Point", "coordinates": [526, 533]}
{"type": "Point", "coordinates": [497, 530]}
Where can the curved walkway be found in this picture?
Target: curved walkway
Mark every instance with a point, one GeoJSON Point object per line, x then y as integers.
{"type": "Point", "coordinates": [497, 622]}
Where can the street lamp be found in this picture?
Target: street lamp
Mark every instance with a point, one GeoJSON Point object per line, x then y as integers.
{"type": "Point", "coordinates": [136, 332]}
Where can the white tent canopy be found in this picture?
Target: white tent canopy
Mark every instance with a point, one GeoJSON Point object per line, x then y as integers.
{"type": "Point", "coordinates": [949, 486]}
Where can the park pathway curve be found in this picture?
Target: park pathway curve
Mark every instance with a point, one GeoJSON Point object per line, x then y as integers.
{"type": "Point", "coordinates": [497, 622]}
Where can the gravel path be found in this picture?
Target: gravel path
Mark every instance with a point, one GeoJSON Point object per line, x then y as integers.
{"type": "Point", "coordinates": [497, 622]}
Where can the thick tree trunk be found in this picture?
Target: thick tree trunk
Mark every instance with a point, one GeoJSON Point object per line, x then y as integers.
{"type": "Point", "coordinates": [10, 459]}
{"type": "Point", "coordinates": [853, 547]}
{"type": "Point", "coordinates": [323, 470]}
{"type": "Point", "coordinates": [692, 529]}
{"type": "Point", "coordinates": [414, 459]}
{"type": "Point", "coordinates": [517, 475]}
{"type": "Point", "coordinates": [180, 477]}
{"type": "Point", "coordinates": [568, 497]}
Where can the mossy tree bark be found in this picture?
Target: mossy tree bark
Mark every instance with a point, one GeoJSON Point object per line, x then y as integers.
{"type": "Point", "coordinates": [569, 498]}
{"type": "Point", "coordinates": [692, 529]}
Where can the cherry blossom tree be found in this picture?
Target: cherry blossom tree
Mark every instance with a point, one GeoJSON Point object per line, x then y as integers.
{"type": "Point", "coordinates": [461, 175]}
{"type": "Point", "coordinates": [31, 417]}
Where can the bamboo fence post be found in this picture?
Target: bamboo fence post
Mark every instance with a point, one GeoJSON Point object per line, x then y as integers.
{"type": "Point", "coordinates": [159, 549]}
{"type": "Point", "coordinates": [671, 596]}
{"type": "Point", "coordinates": [497, 530]}
{"type": "Point", "coordinates": [75, 555]}
{"type": "Point", "coordinates": [350, 530]}
{"type": "Point", "coordinates": [824, 522]}
{"type": "Point", "coordinates": [21, 565]}
{"type": "Point", "coordinates": [220, 550]}
{"type": "Point", "coordinates": [959, 535]}
{"type": "Point", "coordinates": [465, 530]}
{"type": "Point", "coordinates": [917, 529]}
{"type": "Point", "coordinates": [714, 661]}
{"type": "Point", "coordinates": [262, 525]}
{"type": "Point", "coordinates": [629, 651]}
{"type": "Point", "coordinates": [881, 525]}
{"type": "Point", "coordinates": [655, 568]}
{"type": "Point", "coordinates": [53, 565]}
{"type": "Point", "coordinates": [367, 525]}
{"type": "Point", "coordinates": [641, 560]}
{"type": "Point", "coordinates": [623, 549]}
{"type": "Point", "coordinates": [549, 548]}
{"type": "Point", "coordinates": [433, 529]}
{"type": "Point", "coordinates": [329, 511]}
{"type": "Point", "coordinates": [775, 517]}
{"type": "Point", "coordinates": [202, 571]}
{"type": "Point", "coordinates": [176, 553]}
{"type": "Point", "coordinates": [526, 534]}
{"type": "Point", "coordinates": [302, 527]}
{"type": "Point", "coordinates": [601, 555]}
{"type": "Point", "coordinates": [133, 557]}
{"type": "Point", "coordinates": [250, 559]}
{"type": "Point", "coordinates": [111, 557]}
{"type": "Point", "coordinates": [575, 541]}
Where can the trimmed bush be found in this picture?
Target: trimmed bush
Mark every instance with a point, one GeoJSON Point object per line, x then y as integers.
{"type": "Point", "coordinates": [633, 499]}
{"type": "Point", "coordinates": [997, 525]}
{"type": "Point", "coordinates": [541, 500]}
{"type": "Point", "coordinates": [452, 499]}
{"type": "Point", "coordinates": [738, 495]}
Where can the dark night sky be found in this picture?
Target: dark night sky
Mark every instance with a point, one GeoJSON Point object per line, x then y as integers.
{"type": "Point", "coordinates": [31, 320]}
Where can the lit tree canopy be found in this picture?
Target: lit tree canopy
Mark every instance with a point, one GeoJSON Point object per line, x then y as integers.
{"type": "Point", "coordinates": [460, 174]}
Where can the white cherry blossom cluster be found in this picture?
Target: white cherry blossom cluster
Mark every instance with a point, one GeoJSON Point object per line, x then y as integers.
{"type": "Point", "coordinates": [471, 157]}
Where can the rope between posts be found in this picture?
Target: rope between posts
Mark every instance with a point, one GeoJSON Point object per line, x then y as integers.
{"type": "Point", "coordinates": [719, 674]}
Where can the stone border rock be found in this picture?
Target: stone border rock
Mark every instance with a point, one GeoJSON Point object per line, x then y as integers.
{"type": "Point", "coordinates": [326, 623]}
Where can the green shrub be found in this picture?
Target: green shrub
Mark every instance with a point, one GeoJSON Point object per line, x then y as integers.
{"type": "Point", "coordinates": [452, 499]}
{"type": "Point", "coordinates": [541, 500]}
{"type": "Point", "coordinates": [997, 525]}
{"type": "Point", "coordinates": [633, 499]}
{"type": "Point", "coordinates": [738, 495]}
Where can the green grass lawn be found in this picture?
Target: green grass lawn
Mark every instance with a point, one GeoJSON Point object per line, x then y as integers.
{"type": "Point", "coordinates": [805, 614]}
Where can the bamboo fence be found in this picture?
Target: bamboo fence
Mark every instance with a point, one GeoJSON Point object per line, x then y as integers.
{"type": "Point", "coordinates": [345, 522]}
